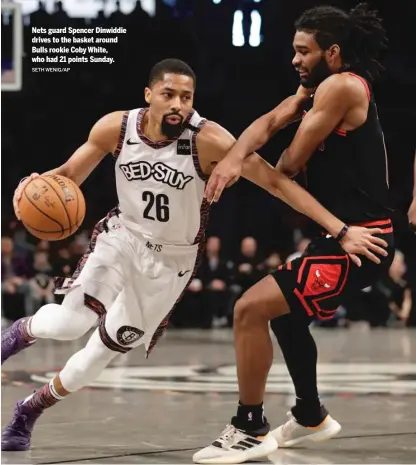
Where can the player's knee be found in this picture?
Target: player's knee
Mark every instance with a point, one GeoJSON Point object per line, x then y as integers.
{"type": "Point", "coordinates": [96, 353]}
{"type": "Point", "coordinates": [86, 365]}
{"type": "Point", "coordinates": [244, 313]}
{"type": "Point", "coordinates": [74, 325]}
{"type": "Point", "coordinates": [59, 322]}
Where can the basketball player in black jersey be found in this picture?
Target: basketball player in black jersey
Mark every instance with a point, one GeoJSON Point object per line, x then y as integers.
{"type": "Point", "coordinates": [339, 146]}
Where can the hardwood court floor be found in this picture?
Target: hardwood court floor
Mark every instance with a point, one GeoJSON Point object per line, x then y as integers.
{"type": "Point", "coordinates": [163, 409]}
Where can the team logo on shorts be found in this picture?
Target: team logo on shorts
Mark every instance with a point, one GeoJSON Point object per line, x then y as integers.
{"type": "Point", "coordinates": [126, 335]}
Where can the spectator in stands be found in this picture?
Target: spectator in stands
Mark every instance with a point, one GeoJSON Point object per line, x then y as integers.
{"type": "Point", "coordinates": [216, 274]}
{"type": "Point", "coordinates": [248, 265]}
{"type": "Point", "coordinates": [301, 246]}
{"type": "Point", "coordinates": [272, 262]}
{"type": "Point", "coordinates": [387, 301]}
{"type": "Point", "coordinates": [41, 283]}
{"type": "Point", "coordinates": [15, 292]}
{"type": "Point", "coordinates": [393, 292]}
{"type": "Point", "coordinates": [63, 265]}
{"type": "Point", "coordinates": [43, 246]}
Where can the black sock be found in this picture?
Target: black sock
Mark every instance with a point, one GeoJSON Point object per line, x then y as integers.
{"type": "Point", "coordinates": [251, 418]}
{"type": "Point", "coordinates": [309, 413]}
{"type": "Point", "coordinates": [300, 354]}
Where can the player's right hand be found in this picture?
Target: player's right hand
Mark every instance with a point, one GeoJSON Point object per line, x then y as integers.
{"type": "Point", "coordinates": [364, 241]}
{"type": "Point", "coordinates": [19, 191]}
{"type": "Point", "coordinates": [225, 174]}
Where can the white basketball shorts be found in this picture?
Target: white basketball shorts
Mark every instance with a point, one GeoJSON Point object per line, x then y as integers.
{"type": "Point", "coordinates": [131, 283]}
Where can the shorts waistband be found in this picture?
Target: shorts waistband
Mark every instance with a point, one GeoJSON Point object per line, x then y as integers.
{"type": "Point", "coordinates": [385, 225]}
{"type": "Point", "coordinates": [156, 245]}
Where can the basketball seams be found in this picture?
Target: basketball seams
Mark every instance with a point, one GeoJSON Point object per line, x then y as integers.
{"type": "Point", "coordinates": [63, 203]}
{"type": "Point", "coordinates": [75, 190]}
{"type": "Point", "coordinates": [81, 212]}
{"type": "Point", "coordinates": [43, 213]}
{"type": "Point", "coordinates": [80, 199]}
{"type": "Point", "coordinates": [50, 232]}
{"type": "Point", "coordinates": [76, 193]}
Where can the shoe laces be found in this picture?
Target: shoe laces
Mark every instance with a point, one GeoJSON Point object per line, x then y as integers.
{"type": "Point", "coordinates": [290, 425]}
{"type": "Point", "coordinates": [227, 436]}
{"type": "Point", "coordinates": [23, 420]}
{"type": "Point", "coordinates": [18, 425]}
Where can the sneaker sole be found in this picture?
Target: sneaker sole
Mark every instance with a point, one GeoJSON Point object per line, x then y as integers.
{"type": "Point", "coordinates": [14, 447]}
{"type": "Point", "coordinates": [268, 446]}
{"type": "Point", "coordinates": [319, 436]}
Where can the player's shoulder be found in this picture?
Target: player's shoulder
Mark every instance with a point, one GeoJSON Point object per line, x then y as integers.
{"type": "Point", "coordinates": [211, 131]}
{"type": "Point", "coordinates": [213, 139]}
{"type": "Point", "coordinates": [207, 136]}
{"type": "Point", "coordinates": [343, 87]}
{"type": "Point", "coordinates": [108, 127]}
{"type": "Point", "coordinates": [213, 134]}
{"type": "Point", "coordinates": [113, 119]}
{"type": "Point", "coordinates": [208, 129]}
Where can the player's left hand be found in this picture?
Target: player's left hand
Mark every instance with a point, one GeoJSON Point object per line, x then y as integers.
{"type": "Point", "coordinates": [365, 242]}
{"type": "Point", "coordinates": [225, 174]}
{"type": "Point", "coordinates": [304, 93]}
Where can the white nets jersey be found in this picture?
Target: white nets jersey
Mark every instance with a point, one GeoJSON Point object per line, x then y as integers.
{"type": "Point", "coordinates": [160, 185]}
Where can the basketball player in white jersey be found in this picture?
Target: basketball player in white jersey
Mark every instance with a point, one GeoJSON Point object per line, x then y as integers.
{"type": "Point", "coordinates": [143, 254]}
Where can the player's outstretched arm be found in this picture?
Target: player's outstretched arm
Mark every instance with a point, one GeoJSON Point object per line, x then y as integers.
{"type": "Point", "coordinates": [214, 142]}
{"type": "Point", "coordinates": [103, 138]}
{"type": "Point", "coordinates": [252, 139]}
{"type": "Point", "coordinates": [265, 127]}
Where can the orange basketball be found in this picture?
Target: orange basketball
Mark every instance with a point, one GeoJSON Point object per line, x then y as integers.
{"type": "Point", "coordinates": [52, 207]}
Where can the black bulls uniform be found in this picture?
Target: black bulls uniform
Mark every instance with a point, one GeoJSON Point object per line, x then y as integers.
{"type": "Point", "coordinates": [348, 175]}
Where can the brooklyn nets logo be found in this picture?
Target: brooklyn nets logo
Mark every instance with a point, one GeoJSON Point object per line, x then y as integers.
{"type": "Point", "coordinates": [127, 335]}
{"type": "Point", "coordinates": [334, 378]}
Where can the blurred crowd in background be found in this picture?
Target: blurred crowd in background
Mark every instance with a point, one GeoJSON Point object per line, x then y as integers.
{"type": "Point", "coordinates": [250, 232]}
{"type": "Point", "coordinates": [28, 269]}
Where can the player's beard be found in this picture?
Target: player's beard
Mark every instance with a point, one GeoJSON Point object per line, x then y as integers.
{"type": "Point", "coordinates": [172, 131]}
{"type": "Point", "coordinates": [318, 74]}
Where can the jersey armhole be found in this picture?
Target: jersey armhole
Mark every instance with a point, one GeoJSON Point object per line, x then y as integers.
{"type": "Point", "coordinates": [195, 157]}
{"type": "Point", "coordinates": [122, 135]}
{"type": "Point", "coordinates": [365, 84]}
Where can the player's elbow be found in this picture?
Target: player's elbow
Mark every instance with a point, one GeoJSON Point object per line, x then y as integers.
{"type": "Point", "coordinates": [288, 167]}
{"type": "Point", "coordinates": [288, 170]}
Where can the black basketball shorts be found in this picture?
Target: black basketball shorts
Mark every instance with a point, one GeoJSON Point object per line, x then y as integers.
{"type": "Point", "coordinates": [316, 283]}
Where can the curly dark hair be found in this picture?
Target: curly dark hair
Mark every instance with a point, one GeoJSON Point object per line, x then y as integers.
{"type": "Point", "coordinates": [359, 33]}
{"type": "Point", "coordinates": [170, 65]}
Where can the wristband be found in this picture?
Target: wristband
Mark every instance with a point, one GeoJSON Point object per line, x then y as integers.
{"type": "Point", "coordinates": [342, 233]}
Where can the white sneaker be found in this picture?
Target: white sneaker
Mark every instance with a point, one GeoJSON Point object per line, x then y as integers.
{"type": "Point", "coordinates": [235, 446]}
{"type": "Point", "coordinates": [292, 433]}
